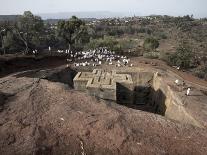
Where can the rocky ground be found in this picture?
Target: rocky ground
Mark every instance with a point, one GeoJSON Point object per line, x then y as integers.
{"type": "Point", "coordinates": [40, 113]}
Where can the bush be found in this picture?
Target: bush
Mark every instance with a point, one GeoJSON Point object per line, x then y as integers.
{"type": "Point", "coordinates": [161, 35]}
{"type": "Point", "coordinates": [164, 56]}
{"type": "Point", "coordinates": [109, 42]}
{"type": "Point", "coordinates": [183, 57]}
{"type": "Point", "coordinates": [152, 55]}
{"type": "Point", "coordinates": [201, 72]}
{"type": "Point", "coordinates": [151, 43]}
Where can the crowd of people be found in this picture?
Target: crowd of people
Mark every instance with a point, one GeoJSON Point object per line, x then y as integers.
{"type": "Point", "coordinates": [96, 57]}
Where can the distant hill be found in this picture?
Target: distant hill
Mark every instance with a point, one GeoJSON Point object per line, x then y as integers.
{"type": "Point", "coordinates": [95, 14]}
{"type": "Point", "coordinates": [88, 16]}
{"type": "Point", "coordinates": [13, 18]}
{"type": "Point", "coordinates": [8, 17]}
{"type": "Point", "coordinates": [55, 21]}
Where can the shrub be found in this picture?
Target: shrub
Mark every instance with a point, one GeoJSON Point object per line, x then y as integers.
{"type": "Point", "coordinates": [152, 55]}
{"type": "Point", "coordinates": [109, 42]}
{"type": "Point", "coordinates": [183, 57]}
{"type": "Point", "coordinates": [162, 35]}
{"type": "Point", "coordinates": [164, 56]}
{"type": "Point", "coordinates": [201, 72]}
{"type": "Point", "coordinates": [151, 43]}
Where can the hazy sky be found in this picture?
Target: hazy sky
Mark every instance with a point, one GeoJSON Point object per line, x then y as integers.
{"type": "Point", "coordinates": [139, 7]}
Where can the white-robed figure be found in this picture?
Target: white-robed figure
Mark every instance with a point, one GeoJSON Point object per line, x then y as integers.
{"type": "Point", "coordinates": [49, 48]}
{"type": "Point", "coordinates": [177, 82]}
{"type": "Point", "coordinates": [188, 92]}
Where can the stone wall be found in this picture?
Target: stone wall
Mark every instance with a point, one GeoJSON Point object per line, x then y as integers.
{"type": "Point", "coordinates": [105, 85]}
{"type": "Point", "coordinates": [166, 102]}
{"type": "Point", "coordinates": [81, 79]}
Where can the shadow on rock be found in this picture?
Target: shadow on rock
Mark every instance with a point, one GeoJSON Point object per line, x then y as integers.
{"type": "Point", "coordinates": [62, 75]}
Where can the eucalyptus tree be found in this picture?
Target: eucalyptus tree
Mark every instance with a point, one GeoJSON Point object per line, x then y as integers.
{"type": "Point", "coordinates": [29, 30]}
{"type": "Point", "coordinates": [72, 31]}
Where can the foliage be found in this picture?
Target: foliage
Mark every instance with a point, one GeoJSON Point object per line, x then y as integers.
{"type": "Point", "coordinates": [152, 55]}
{"type": "Point", "coordinates": [151, 43]}
{"type": "Point", "coordinates": [201, 72]}
{"type": "Point", "coordinates": [29, 30]}
{"type": "Point", "coordinates": [144, 30]}
{"type": "Point", "coordinates": [115, 31]}
{"type": "Point", "coordinates": [72, 31]}
{"type": "Point", "coordinates": [107, 41]}
{"type": "Point", "coordinates": [183, 57]}
{"type": "Point", "coordinates": [164, 56]}
{"type": "Point", "coordinates": [4, 29]}
{"type": "Point", "coordinates": [160, 35]}
{"type": "Point", "coordinates": [8, 40]}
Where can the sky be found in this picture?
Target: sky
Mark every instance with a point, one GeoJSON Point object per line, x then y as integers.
{"type": "Point", "coordinates": [138, 7]}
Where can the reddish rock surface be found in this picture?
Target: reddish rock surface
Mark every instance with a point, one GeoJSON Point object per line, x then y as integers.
{"type": "Point", "coordinates": [43, 117]}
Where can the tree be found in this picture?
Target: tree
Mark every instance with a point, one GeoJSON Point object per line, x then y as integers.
{"type": "Point", "coordinates": [109, 42]}
{"type": "Point", "coordinates": [183, 57]}
{"type": "Point", "coordinates": [29, 29]}
{"type": "Point", "coordinates": [71, 31]}
{"type": "Point", "coordinates": [2, 34]}
{"type": "Point", "coordinates": [4, 28]}
{"type": "Point", "coordinates": [151, 43]}
{"type": "Point", "coordinates": [10, 40]}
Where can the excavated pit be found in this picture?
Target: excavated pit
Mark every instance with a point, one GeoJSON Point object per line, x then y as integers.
{"type": "Point", "coordinates": [144, 98]}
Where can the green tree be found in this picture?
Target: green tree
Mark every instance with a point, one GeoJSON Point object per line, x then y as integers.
{"type": "Point", "coordinates": [4, 28]}
{"type": "Point", "coordinates": [109, 42]}
{"type": "Point", "coordinates": [8, 40]}
{"type": "Point", "coordinates": [29, 30]}
{"type": "Point", "coordinates": [183, 57]}
{"type": "Point", "coordinates": [72, 31]}
{"type": "Point", "coordinates": [151, 43]}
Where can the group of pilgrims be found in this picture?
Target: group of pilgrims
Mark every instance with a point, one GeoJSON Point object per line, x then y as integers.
{"type": "Point", "coordinates": [96, 57]}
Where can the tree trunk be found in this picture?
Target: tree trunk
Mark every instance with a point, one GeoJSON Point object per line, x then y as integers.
{"type": "Point", "coordinates": [3, 47]}
{"type": "Point", "coordinates": [26, 47]}
{"type": "Point", "coordinates": [69, 46]}
{"type": "Point", "coordinates": [24, 41]}
{"type": "Point", "coordinates": [2, 44]}
{"type": "Point", "coordinates": [4, 50]}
